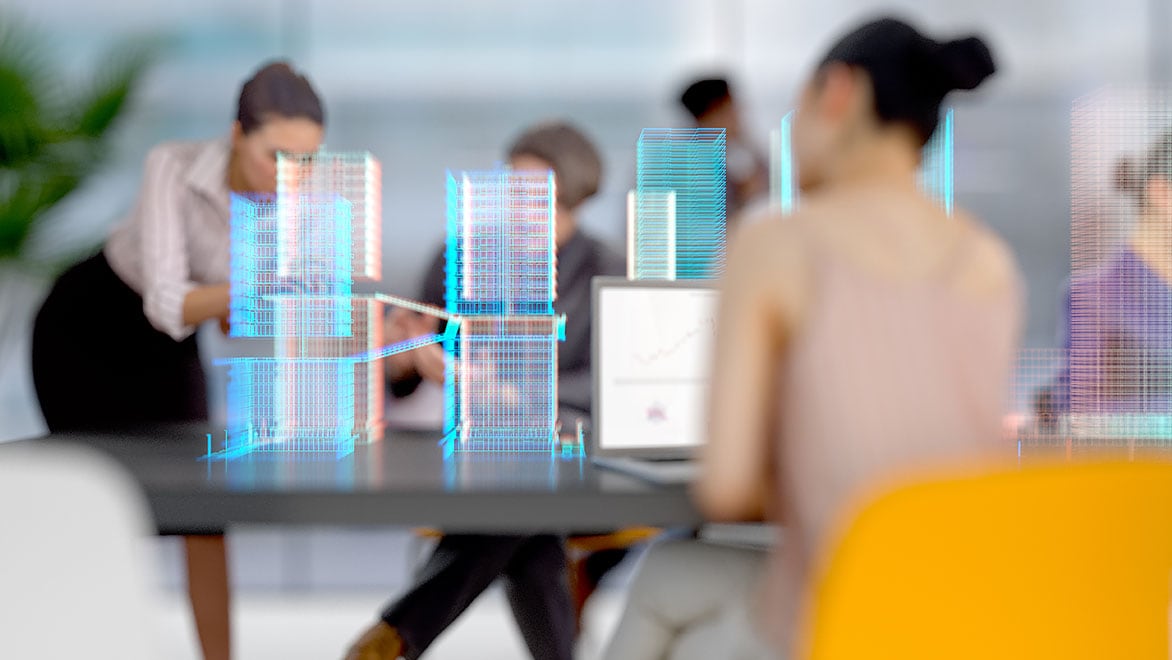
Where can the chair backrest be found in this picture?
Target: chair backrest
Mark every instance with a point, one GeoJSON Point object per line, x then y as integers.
{"type": "Point", "coordinates": [73, 580]}
{"type": "Point", "coordinates": [1068, 562]}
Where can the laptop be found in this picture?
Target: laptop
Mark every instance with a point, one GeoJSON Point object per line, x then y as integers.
{"type": "Point", "coordinates": [652, 354]}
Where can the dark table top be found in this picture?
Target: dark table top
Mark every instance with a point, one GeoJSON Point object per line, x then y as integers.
{"type": "Point", "coordinates": [402, 480]}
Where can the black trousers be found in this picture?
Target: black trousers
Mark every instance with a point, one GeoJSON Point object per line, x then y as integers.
{"type": "Point", "coordinates": [463, 566]}
{"type": "Point", "coordinates": [98, 363]}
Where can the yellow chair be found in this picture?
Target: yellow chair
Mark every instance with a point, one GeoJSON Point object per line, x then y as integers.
{"type": "Point", "coordinates": [1059, 562]}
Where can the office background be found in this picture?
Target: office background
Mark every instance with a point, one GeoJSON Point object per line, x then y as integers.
{"type": "Point", "coordinates": [430, 86]}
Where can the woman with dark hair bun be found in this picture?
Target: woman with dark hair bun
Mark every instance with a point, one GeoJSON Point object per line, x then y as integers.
{"type": "Point", "coordinates": [1117, 325]}
{"type": "Point", "coordinates": [114, 346]}
{"type": "Point", "coordinates": [866, 334]}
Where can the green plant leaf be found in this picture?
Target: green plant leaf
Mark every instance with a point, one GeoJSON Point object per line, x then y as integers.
{"type": "Point", "coordinates": [24, 95]}
{"type": "Point", "coordinates": [52, 136]}
{"type": "Point", "coordinates": [30, 72]}
{"type": "Point", "coordinates": [96, 109]}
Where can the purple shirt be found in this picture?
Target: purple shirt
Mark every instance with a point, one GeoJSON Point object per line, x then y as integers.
{"type": "Point", "coordinates": [1118, 333]}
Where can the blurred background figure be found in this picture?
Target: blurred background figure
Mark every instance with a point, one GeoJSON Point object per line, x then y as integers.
{"type": "Point", "coordinates": [711, 103]}
{"type": "Point", "coordinates": [1117, 319]}
{"type": "Point", "coordinates": [114, 345]}
{"type": "Point", "coordinates": [869, 299]}
{"type": "Point", "coordinates": [164, 271]}
{"type": "Point", "coordinates": [533, 568]}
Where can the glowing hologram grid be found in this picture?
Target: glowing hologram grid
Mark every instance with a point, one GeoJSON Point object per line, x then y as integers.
{"type": "Point", "coordinates": [414, 306]}
{"type": "Point", "coordinates": [321, 391]}
{"type": "Point", "coordinates": [1108, 125]}
{"type": "Point", "coordinates": [365, 339]}
{"type": "Point", "coordinates": [504, 384]}
{"type": "Point", "coordinates": [1039, 430]}
{"type": "Point", "coordinates": [254, 280]}
{"type": "Point", "coordinates": [1039, 421]}
{"type": "Point", "coordinates": [501, 376]}
{"type": "Point", "coordinates": [691, 164]}
{"type": "Point", "coordinates": [290, 268]}
{"type": "Point", "coordinates": [1120, 307]}
{"type": "Point", "coordinates": [1030, 410]}
{"type": "Point", "coordinates": [1112, 389]}
{"type": "Point", "coordinates": [936, 176]}
{"type": "Point", "coordinates": [355, 177]}
{"type": "Point", "coordinates": [651, 235]}
{"type": "Point", "coordinates": [300, 405]}
{"type": "Point", "coordinates": [783, 186]}
{"type": "Point", "coordinates": [292, 273]}
{"type": "Point", "coordinates": [500, 248]}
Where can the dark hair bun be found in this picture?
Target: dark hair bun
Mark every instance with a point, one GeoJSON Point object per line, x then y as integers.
{"type": "Point", "coordinates": [911, 73]}
{"type": "Point", "coordinates": [1128, 179]}
{"type": "Point", "coordinates": [964, 63]}
{"type": "Point", "coordinates": [702, 95]}
{"type": "Point", "coordinates": [276, 89]}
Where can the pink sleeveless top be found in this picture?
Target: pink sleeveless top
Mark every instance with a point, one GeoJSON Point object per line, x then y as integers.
{"type": "Point", "coordinates": [886, 375]}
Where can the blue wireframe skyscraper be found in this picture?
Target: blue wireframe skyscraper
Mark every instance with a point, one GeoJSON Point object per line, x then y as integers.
{"type": "Point", "coordinates": [501, 380]}
{"type": "Point", "coordinates": [295, 257]}
{"type": "Point", "coordinates": [680, 203]}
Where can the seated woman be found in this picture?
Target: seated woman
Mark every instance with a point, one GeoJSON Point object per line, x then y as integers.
{"type": "Point", "coordinates": [1117, 325]}
{"type": "Point", "coordinates": [532, 567]}
{"type": "Point", "coordinates": [867, 334]}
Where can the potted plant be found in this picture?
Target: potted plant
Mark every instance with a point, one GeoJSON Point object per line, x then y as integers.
{"type": "Point", "coordinates": [54, 133]}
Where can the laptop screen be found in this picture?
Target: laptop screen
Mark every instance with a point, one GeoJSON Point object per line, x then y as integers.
{"type": "Point", "coordinates": [651, 366]}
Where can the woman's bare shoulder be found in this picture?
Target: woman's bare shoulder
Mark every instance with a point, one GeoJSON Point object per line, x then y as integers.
{"type": "Point", "coordinates": [769, 263]}
{"type": "Point", "coordinates": [771, 241]}
{"type": "Point", "coordinates": [992, 266]}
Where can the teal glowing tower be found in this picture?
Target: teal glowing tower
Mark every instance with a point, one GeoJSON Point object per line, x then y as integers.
{"type": "Point", "coordinates": [936, 176]}
{"type": "Point", "coordinates": [678, 209]}
{"type": "Point", "coordinates": [783, 186]}
{"type": "Point", "coordinates": [501, 380]}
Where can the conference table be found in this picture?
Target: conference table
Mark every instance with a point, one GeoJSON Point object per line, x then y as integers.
{"type": "Point", "coordinates": [402, 480]}
{"type": "Point", "coordinates": [405, 480]}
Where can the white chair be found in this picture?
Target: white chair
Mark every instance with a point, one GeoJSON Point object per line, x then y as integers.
{"type": "Point", "coordinates": [74, 578]}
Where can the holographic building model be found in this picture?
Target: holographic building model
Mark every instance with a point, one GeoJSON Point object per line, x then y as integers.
{"type": "Point", "coordinates": [501, 380]}
{"type": "Point", "coordinates": [936, 175]}
{"type": "Point", "coordinates": [1119, 311]}
{"type": "Point", "coordinates": [676, 214]}
{"type": "Point", "coordinates": [295, 258]}
{"type": "Point", "coordinates": [1109, 386]}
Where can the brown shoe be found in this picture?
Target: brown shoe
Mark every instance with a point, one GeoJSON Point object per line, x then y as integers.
{"type": "Point", "coordinates": [379, 642]}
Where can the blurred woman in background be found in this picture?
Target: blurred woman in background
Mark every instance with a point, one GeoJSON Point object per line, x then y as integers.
{"type": "Point", "coordinates": [114, 345]}
{"type": "Point", "coordinates": [711, 103]}
{"type": "Point", "coordinates": [867, 334]}
{"type": "Point", "coordinates": [1117, 319]}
